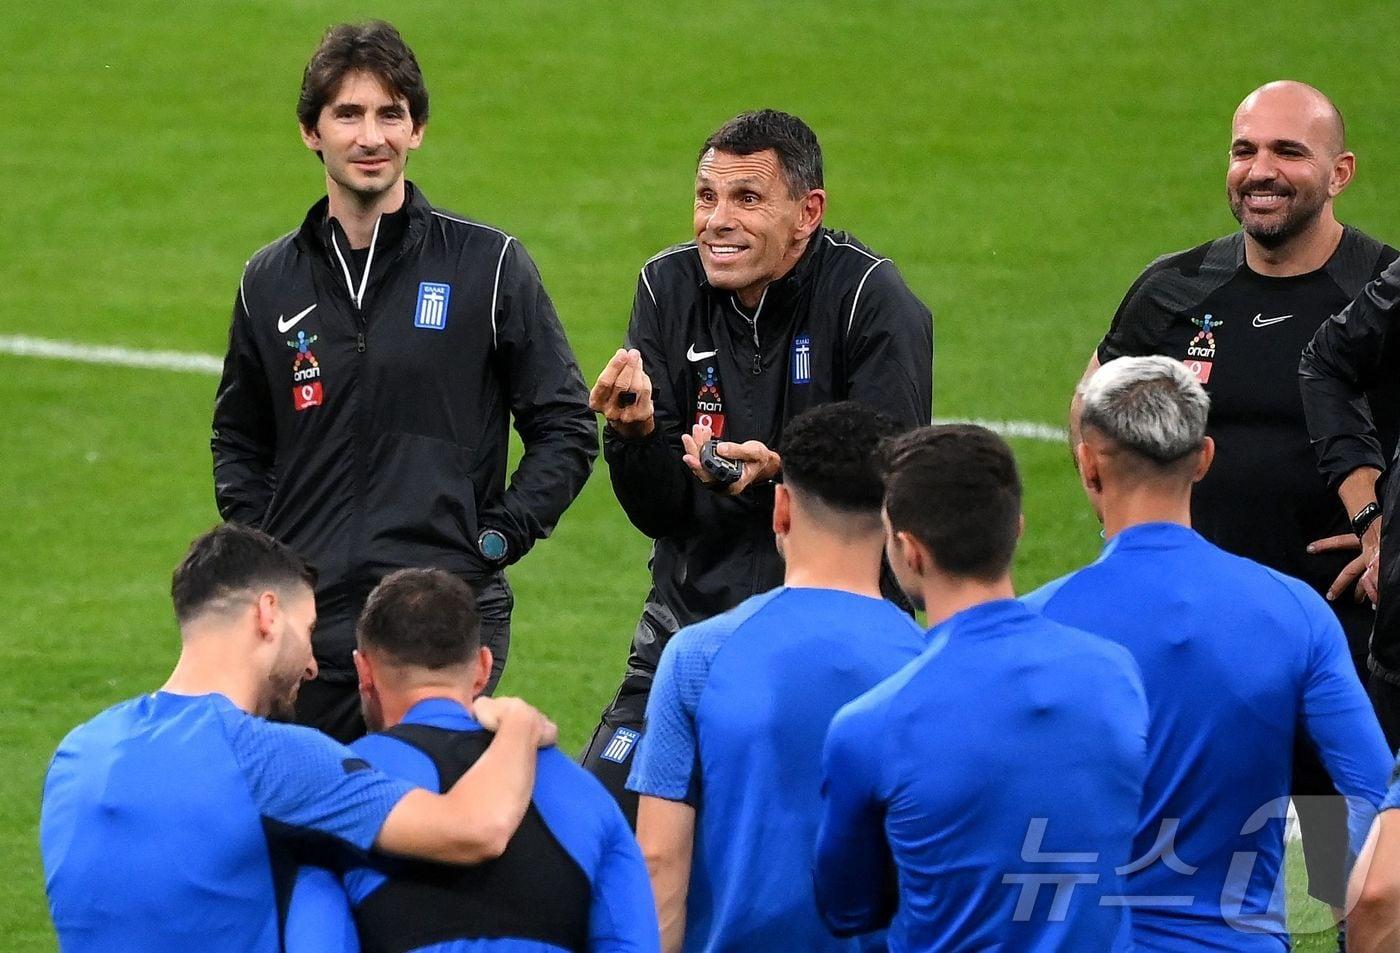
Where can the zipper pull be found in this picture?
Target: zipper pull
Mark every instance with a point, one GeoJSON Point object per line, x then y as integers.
{"type": "Point", "coordinates": [757, 363]}
{"type": "Point", "coordinates": [360, 342]}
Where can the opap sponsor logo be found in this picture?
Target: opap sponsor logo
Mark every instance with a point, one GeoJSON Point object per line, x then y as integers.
{"type": "Point", "coordinates": [306, 373]}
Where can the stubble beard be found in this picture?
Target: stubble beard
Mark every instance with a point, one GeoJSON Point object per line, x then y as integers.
{"type": "Point", "coordinates": [1301, 216]}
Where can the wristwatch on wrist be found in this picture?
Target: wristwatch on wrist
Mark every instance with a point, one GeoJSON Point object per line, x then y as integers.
{"type": "Point", "coordinates": [492, 545]}
{"type": "Point", "coordinates": [1362, 521]}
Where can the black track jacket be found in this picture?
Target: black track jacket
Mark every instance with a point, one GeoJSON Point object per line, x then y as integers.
{"type": "Point", "coordinates": [364, 422]}
{"type": "Point", "coordinates": [841, 325]}
{"type": "Point", "coordinates": [1351, 355]}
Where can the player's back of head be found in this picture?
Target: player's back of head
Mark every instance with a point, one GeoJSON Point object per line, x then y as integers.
{"type": "Point", "coordinates": [1152, 413]}
{"type": "Point", "coordinates": [229, 560]}
{"type": "Point", "coordinates": [422, 618]}
{"type": "Point", "coordinates": [955, 488]}
{"type": "Point", "coordinates": [829, 456]}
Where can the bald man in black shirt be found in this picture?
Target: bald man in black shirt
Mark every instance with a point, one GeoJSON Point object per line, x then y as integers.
{"type": "Point", "coordinates": [1238, 311]}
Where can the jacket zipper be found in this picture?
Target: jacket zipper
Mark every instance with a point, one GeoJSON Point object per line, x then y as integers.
{"type": "Point", "coordinates": [357, 304]}
{"type": "Point", "coordinates": [753, 325]}
{"type": "Point", "coordinates": [357, 298]}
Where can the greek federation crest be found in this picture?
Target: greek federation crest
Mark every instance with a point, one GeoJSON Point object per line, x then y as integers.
{"type": "Point", "coordinates": [802, 359]}
{"type": "Point", "coordinates": [621, 745]}
{"type": "Point", "coordinates": [306, 373]}
{"type": "Point", "coordinates": [431, 312]}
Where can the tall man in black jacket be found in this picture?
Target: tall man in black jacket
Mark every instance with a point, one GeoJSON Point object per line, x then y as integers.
{"type": "Point", "coordinates": [376, 358]}
{"type": "Point", "coordinates": [1353, 355]}
{"type": "Point", "coordinates": [765, 314]}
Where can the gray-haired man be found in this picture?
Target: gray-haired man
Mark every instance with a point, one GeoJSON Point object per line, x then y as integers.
{"type": "Point", "coordinates": [1209, 852]}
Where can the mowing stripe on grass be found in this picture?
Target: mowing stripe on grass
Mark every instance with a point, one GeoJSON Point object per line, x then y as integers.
{"type": "Point", "coordinates": [20, 345]}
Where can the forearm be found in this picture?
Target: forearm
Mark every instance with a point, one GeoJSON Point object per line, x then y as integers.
{"type": "Point", "coordinates": [1358, 490]}
{"type": "Point", "coordinates": [558, 459]}
{"type": "Point", "coordinates": [475, 820]}
{"type": "Point", "coordinates": [1373, 911]}
{"type": "Point", "coordinates": [1373, 926]}
{"type": "Point", "coordinates": [242, 488]}
{"type": "Point", "coordinates": [652, 484]}
{"type": "Point", "coordinates": [666, 835]}
{"type": "Point", "coordinates": [669, 885]}
{"type": "Point", "coordinates": [1344, 359]}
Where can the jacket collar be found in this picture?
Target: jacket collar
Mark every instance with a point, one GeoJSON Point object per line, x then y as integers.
{"type": "Point", "coordinates": [397, 230]}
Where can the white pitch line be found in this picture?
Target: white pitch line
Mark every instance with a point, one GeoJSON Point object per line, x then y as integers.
{"type": "Point", "coordinates": [186, 361]}
{"type": "Point", "coordinates": [190, 362]}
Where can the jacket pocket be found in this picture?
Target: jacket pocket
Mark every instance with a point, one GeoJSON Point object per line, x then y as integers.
{"type": "Point", "coordinates": [420, 505]}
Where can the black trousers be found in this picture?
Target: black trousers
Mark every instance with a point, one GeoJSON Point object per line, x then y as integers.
{"type": "Point", "coordinates": [608, 756]}
{"type": "Point", "coordinates": [331, 702]}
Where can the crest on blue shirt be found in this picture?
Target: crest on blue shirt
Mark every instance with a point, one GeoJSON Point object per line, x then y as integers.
{"type": "Point", "coordinates": [621, 745]}
{"type": "Point", "coordinates": [802, 359]}
{"type": "Point", "coordinates": [431, 312]}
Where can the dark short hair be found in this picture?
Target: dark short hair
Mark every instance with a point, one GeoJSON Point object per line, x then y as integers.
{"type": "Point", "coordinates": [955, 489]}
{"type": "Point", "coordinates": [799, 153]}
{"type": "Point", "coordinates": [422, 617]}
{"type": "Point", "coordinates": [829, 452]}
{"type": "Point", "coordinates": [374, 47]}
{"type": "Point", "coordinates": [233, 558]}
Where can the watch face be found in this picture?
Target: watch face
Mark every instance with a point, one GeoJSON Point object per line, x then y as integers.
{"type": "Point", "coordinates": [492, 545]}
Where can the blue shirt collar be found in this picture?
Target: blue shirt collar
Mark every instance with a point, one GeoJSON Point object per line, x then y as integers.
{"type": "Point", "coordinates": [441, 713]}
{"type": "Point", "coordinates": [985, 618]}
{"type": "Point", "coordinates": [1151, 536]}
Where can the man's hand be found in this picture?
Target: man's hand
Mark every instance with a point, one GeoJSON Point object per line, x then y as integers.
{"type": "Point", "coordinates": [493, 713]}
{"type": "Point", "coordinates": [623, 395]}
{"type": "Point", "coordinates": [1363, 571]}
{"type": "Point", "coordinates": [758, 461]}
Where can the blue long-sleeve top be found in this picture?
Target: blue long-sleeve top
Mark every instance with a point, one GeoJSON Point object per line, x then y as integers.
{"type": "Point", "coordinates": [1235, 658]}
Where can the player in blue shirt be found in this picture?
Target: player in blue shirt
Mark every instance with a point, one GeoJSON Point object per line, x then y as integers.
{"type": "Point", "coordinates": [1373, 924]}
{"type": "Point", "coordinates": [984, 797]}
{"type": "Point", "coordinates": [1235, 657]}
{"type": "Point", "coordinates": [174, 822]}
{"type": "Point", "coordinates": [571, 878]}
{"type": "Point", "coordinates": [728, 768]}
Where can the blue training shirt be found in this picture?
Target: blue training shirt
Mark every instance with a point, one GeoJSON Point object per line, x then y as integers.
{"type": "Point", "coordinates": [1000, 775]}
{"type": "Point", "coordinates": [579, 814]}
{"type": "Point", "coordinates": [736, 716]}
{"type": "Point", "coordinates": [1234, 656]}
{"type": "Point", "coordinates": [171, 823]}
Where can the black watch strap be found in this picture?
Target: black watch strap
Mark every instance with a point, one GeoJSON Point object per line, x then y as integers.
{"type": "Point", "coordinates": [1362, 521]}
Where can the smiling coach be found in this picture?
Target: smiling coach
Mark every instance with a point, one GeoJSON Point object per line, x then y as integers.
{"type": "Point", "coordinates": [764, 314]}
{"type": "Point", "coordinates": [377, 357]}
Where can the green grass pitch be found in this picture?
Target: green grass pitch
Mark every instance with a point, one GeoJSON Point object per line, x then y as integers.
{"type": "Point", "coordinates": [1020, 163]}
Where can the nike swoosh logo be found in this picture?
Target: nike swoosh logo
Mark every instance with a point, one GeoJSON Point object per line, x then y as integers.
{"type": "Point", "coordinates": [1262, 322]}
{"type": "Point", "coordinates": [693, 355]}
{"type": "Point", "coordinates": [285, 326]}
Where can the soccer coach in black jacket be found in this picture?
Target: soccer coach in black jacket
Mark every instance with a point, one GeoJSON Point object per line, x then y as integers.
{"type": "Point", "coordinates": [1352, 354]}
{"type": "Point", "coordinates": [376, 357]}
{"type": "Point", "coordinates": [765, 314]}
